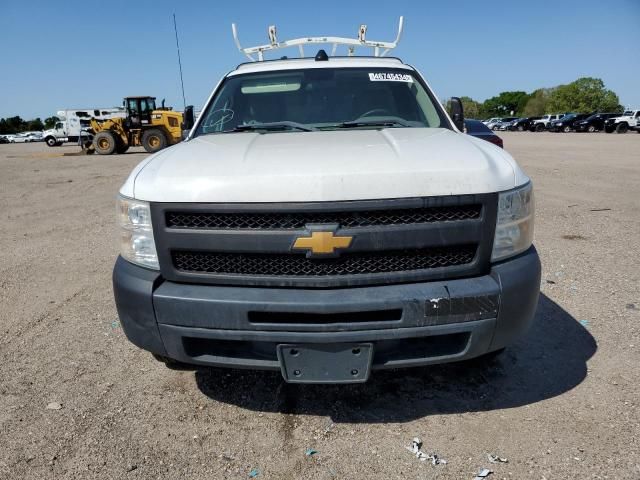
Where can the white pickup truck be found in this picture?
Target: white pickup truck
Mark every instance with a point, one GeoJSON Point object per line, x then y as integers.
{"type": "Point", "coordinates": [543, 122]}
{"type": "Point", "coordinates": [326, 218]}
{"type": "Point", "coordinates": [629, 120]}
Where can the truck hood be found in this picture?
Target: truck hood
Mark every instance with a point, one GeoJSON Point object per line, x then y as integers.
{"type": "Point", "coordinates": [323, 166]}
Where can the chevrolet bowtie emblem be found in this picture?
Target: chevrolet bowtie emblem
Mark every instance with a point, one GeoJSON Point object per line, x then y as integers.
{"type": "Point", "coordinates": [322, 243]}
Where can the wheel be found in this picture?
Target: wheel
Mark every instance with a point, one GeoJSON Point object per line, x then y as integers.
{"type": "Point", "coordinates": [154, 140]}
{"type": "Point", "coordinates": [51, 141]}
{"type": "Point", "coordinates": [539, 127]}
{"type": "Point", "coordinates": [566, 129]}
{"type": "Point", "coordinates": [622, 128]}
{"type": "Point", "coordinates": [591, 129]}
{"type": "Point", "coordinates": [520, 128]}
{"type": "Point", "coordinates": [104, 143]}
{"type": "Point", "coordinates": [121, 147]}
{"type": "Point", "coordinates": [172, 364]}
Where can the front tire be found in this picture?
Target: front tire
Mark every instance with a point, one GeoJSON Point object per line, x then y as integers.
{"type": "Point", "coordinates": [566, 129]}
{"type": "Point", "coordinates": [154, 140]}
{"type": "Point", "coordinates": [591, 129]}
{"type": "Point", "coordinates": [121, 147]}
{"type": "Point", "coordinates": [51, 141]}
{"type": "Point", "coordinates": [104, 143]}
{"type": "Point", "coordinates": [539, 127]}
{"type": "Point", "coordinates": [622, 128]}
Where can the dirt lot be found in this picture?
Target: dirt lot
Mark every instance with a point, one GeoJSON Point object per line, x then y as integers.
{"type": "Point", "coordinates": [562, 403]}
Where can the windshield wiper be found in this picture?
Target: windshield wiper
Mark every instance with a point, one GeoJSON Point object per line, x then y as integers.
{"type": "Point", "coordinates": [272, 126]}
{"type": "Point", "coordinates": [390, 122]}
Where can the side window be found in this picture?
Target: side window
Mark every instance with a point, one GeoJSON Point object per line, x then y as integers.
{"type": "Point", "coordinates": [59, 126]}
{"type": "Point", "coordinates": [133, 107]}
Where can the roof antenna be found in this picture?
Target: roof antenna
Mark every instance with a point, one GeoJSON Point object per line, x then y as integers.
{"type": "Point", "coordinates": [175, 28]}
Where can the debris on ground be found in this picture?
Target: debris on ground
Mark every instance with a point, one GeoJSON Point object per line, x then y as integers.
{"type": "Point", "coordinates": [54, 406]}
{"type": "Point", "coordinates": [310, 452]}
{"type": "Point", "coordinates": [496, 458]}
{"type": "Point", "coordinates": [600, 210]}
{"type": "Point", "coordinates": [254, 473]}
{"type": "Point", "coordinates": [484, 473]}
{"type": "Point", "coordinates": [631, 306]}
{"type": "Point", "coordinates": [416, 449]}
{"type": "Point", "coordinates": [551, 282]}
{"type": "Point", "coordinates": [584, 323]}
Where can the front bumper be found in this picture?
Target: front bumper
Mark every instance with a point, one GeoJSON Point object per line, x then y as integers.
{"type": "Point", "coordinates": [407, 324]}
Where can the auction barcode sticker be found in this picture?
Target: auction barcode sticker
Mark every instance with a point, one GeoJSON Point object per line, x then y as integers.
{"type": "Point", "coordinates": [390, 77]}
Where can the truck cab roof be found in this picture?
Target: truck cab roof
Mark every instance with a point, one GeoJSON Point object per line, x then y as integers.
{"type": "Point", "coordinates": [307, 63]}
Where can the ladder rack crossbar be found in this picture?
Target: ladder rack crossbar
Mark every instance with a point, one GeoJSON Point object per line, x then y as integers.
{"type": "Point", "coordinates": [300, 42]}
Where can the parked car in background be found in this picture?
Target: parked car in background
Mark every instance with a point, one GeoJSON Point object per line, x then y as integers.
{"type": "Point", "coordinates": [19, 138]}
{"type": "Point", "coordinates": [628, 120]}
{"type": "Point", "coordinates": [565, 124]}
{"type": "Point", "coordinates": [34, 136]}
{"type": "Point", "coordinates": [3, 139]}
{"type": "Point", "coordinates": [504, 123]}
{"type": "Point", "coordinates": [491, 120]}
{"type": "Point", "coordinates": [478, 129]}
{"type": "Point", "coordinates": [522, 124]}
{"type": "Point", "coordinates": [594, 123]}
{"type": "Point", "coordinates": [541, 124]}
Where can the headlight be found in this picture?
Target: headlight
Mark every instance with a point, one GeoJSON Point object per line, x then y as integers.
{"type": "Point", "coordinates": [514, 227]}
{"type": "Point", "coordinates": [136, 234]}
{"type": "Point", "coordinates": [559, 124]}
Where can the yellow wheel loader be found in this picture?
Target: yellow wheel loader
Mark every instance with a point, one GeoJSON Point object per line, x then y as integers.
{"type": "Point", "coordinates": [144, 124]}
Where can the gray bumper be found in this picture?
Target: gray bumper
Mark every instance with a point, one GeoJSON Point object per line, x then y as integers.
{"type": "Point", "coordinates": [408, 325]}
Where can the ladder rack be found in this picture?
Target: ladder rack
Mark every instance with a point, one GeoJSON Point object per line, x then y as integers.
{"type": "Point", "coordinates": [351, 43]}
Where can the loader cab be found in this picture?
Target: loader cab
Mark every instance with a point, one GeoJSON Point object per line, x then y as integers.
{"type": "Point", "coordinates": [139, 111]}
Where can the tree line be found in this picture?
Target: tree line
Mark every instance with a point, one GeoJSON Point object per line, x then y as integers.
{"type": "Point", "coordinates": [17, 125]}
{"type": "Point", "coordinates": [584, 95]}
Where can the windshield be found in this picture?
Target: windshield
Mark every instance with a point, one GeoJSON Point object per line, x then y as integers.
{"type": "Point", "coordinates": [571, 116]}
{"type": "Point", "coordinates": [322, 98]}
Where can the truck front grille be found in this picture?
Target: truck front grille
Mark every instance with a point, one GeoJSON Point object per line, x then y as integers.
{"type": "Point", "coordinates": [297, 220]}
{"type": "Point", "coordinates": [393, 241]}
{"type": "Point", "coordinates": [288, 265]}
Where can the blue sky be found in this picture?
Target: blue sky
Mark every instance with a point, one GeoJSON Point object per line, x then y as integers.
{"type": "Point", "coordinates": [66, 54]}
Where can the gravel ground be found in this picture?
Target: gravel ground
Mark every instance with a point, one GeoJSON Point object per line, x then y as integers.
{"type": "Point", "coordinates": [77, 400]}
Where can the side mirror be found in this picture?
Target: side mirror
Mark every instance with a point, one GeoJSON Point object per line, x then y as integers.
{"type": "Point", "coordinates": [188, 121]}
{"type": "Point", "coordinates": [188, 118]}
{"type": "Point", "coordinates": [457, 113]}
